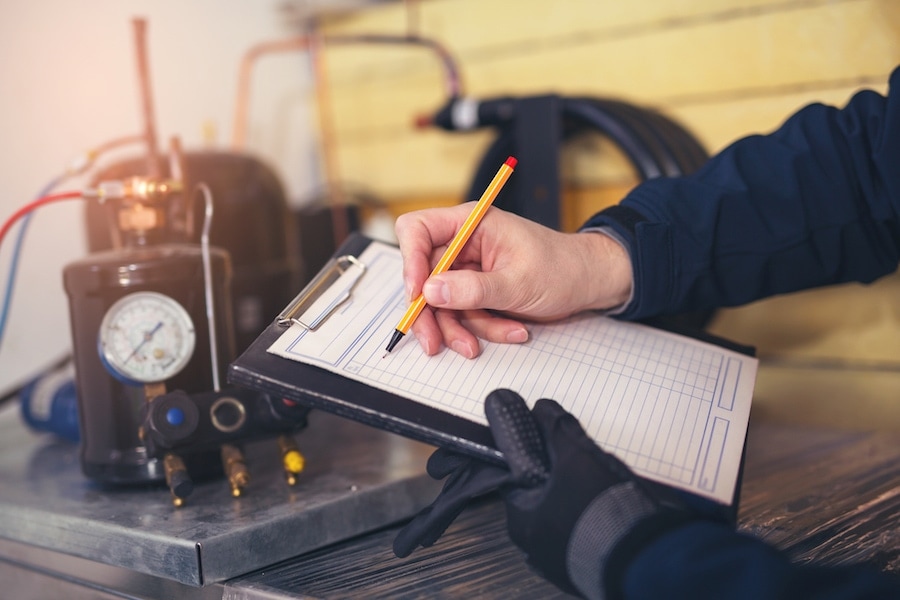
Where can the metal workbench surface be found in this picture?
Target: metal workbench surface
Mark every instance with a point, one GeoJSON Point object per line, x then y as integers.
{"type": "Point", "coordinates": [821, 495]}
{"type": "Point", "coordinates": [357, 479]}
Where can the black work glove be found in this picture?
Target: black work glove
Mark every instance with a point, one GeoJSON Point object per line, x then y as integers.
{"type": "Point", "coordinates": [571, 523]}
{"type": "Point", "coordinates": [571, 507]}
{"type": "Point", "coordinates": [469, 479]}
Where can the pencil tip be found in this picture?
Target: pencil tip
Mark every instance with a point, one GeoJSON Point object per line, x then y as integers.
{"type": "Point", "coordinates": [398, 335]}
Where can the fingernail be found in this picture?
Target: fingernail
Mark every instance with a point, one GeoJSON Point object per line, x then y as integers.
{"type": "Point", "coordinates": [409, 293]}
{"type": "Point", "coordinates": [517, 336]}
{"type": "Point", "coordinates": [462, 348]}
{"type": "Point", "coordinates": [436, 292]}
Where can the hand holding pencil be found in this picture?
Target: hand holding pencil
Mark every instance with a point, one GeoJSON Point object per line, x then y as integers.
{"type": "Point", "coordinates": [510, 271]}
{"type": "Point", "coordinates": [456, 245]}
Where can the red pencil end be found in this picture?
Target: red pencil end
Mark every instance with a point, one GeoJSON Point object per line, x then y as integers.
{"type": "Point", "coordinates": [511, 162]}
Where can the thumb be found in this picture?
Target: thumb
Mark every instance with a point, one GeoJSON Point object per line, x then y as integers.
{"type": "Point", "coordinates": [464, 290]}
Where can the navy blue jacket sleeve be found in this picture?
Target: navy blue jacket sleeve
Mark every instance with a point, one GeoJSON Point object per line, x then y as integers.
{"type": "Point", "coordinates": [709, 560]}
{"type": "Point", "coordinates": [816, 202]}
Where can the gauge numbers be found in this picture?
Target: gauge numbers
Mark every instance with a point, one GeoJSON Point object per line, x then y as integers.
{"type": "Point", "coordinates": [146, 337]}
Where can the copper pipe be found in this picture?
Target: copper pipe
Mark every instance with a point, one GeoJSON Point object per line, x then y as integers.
{"type": "Point", "coordinates": [239, 132]}
{"type": "Point", "coordinates": [453, 85]}
{"type": "Point", "coordinates": [314, 44]}
{"type": "Point", "coordinates": [140, 41]}
{"type": "Point", "coordinates": [412, 16]}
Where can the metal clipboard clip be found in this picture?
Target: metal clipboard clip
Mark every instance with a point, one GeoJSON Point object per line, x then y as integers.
{"type": "Point", "coordinates": [331, 287]}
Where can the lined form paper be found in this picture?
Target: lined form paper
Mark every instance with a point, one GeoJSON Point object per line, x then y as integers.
{"type": "Point", "coordinates": [673, 408]}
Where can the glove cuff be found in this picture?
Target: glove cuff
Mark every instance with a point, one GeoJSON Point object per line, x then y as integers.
{"type": "Point", "coordinates": [603, 524]}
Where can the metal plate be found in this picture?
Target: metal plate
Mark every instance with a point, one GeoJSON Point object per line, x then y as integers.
{"type": "Point", "coordinates": [357, 479]}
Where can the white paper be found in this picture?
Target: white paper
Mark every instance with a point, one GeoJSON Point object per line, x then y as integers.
{"type": "Point", "coordinates": [674, 409]}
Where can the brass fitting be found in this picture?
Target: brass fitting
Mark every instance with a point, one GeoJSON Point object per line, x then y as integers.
{"type": "Point", "coordinates": [177, 478]}
{"type": "Point", "coordinates": [235, 469]}
{"type": "Point", "coordinates": [134, 188]}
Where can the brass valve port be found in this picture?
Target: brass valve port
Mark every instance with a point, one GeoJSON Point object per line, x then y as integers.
{"type": "Point", "coordinates": [235, 469]}
{"type": "Point", "coordinates": [177, 478]}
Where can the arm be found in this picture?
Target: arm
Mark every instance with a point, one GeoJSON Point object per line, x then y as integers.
{"type": "Point", "coordinates": [587, 524]}
{"type": "Point", "coordinates": [709, 560]}
{"type": "Point", "coordinates": [816, 202]}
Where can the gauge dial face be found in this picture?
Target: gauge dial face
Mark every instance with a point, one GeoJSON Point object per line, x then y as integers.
{"type": "Point", "coordinates": [146, 337]}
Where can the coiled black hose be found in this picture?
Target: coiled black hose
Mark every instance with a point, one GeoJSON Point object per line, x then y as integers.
{"type": "Point", "coordinates": [655, 145]}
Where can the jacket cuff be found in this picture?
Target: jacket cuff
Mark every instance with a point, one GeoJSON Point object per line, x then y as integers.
{"type": "Point", "coordinates": [634, 542]}
{"type": "Point", "coordinates": [650, 246]}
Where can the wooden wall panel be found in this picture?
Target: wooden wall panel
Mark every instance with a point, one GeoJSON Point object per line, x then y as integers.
{"type": "Point", "coordinates": [723, 69]}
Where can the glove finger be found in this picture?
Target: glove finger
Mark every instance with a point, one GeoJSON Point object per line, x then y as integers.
{"type": "Point", "coordinates": [548, 412]}
{"type": "Point", "coordinates": [559, 426]}
{"type": "Point", "coordinates": [423, 530]}
{"type": "Point", "coordinates": [468, 482]}
{"type": "Point", "coordinates": [442, 462]}
{"type": "Point", "coordinates": [517, 436]}
{"type": "Point", "coordinates": [562, 432]}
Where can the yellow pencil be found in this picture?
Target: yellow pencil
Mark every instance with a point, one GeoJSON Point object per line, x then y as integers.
{"type": "Point", "coordinates": [459, 240]}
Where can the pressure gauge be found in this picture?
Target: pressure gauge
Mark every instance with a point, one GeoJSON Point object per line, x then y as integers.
{"type": "Point", "coordinates": [146, 337]}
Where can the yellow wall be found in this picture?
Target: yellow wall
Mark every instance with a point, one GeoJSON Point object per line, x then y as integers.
{"type": "Point", "coordinates": [722, 68]}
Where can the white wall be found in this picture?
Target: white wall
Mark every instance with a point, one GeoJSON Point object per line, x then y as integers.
{"type": "Point", "coordinates": [69, 82]}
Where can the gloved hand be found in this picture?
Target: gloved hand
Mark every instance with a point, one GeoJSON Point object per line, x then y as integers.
{"type": "Point", "coordinates": [470, 478]}
{"type": "Point", "coordinates": [571, 507]}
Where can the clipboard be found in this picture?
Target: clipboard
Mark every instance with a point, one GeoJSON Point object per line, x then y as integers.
{"type": "Point", "coordinates": [318, 388]}
{"type": "Point", "coordinates": [259, 369]}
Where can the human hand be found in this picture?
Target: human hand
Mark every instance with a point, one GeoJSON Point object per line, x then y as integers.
{"type": "Point", "coordinates": [467, 479]}
{"type": "Point", "coordinates": [510, 265]}
{"type": "Point", "coordinates": [568, 503]}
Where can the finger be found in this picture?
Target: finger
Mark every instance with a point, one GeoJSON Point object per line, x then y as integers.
{"type": "Point", "coordinates": [428, 332]}
{"type": "Point", "coordinates": [554, 422]}
{"type": "Point", "coordinates": [442, 462]}
{"type": "Point", "coordinates": [455, 335]}
{"type": "Point", "coordinates": [549, 411]}
{"type": "Point", "coordinates": [425, 528]}
{"type": "Point", "coordinates": [470, 481]}
{"type": "Point", "coordinates": [415, 249]}
{"type": "Point", "coordinates": [560, 430]}
{"type": "Point", "coordinates": [459, 289]}
{"type": "Point", "coordinates": [517, 436]}
{"type": "Point", "coordinates": [420, 234]}
{"type": "Point", "coordinates": [493, 328]}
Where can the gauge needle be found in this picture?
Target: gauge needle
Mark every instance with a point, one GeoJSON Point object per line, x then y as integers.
{"type": "Point", "coordinates": [147, 337]}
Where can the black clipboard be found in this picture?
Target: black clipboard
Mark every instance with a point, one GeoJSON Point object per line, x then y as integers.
{"type": "Point", "coordinates": [259, 370]}
{"type": "Point", "coordinates": [318, 388]}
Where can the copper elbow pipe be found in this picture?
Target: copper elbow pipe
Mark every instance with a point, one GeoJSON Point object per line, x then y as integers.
{"type": "Point", "coordinates": [453, 86]}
